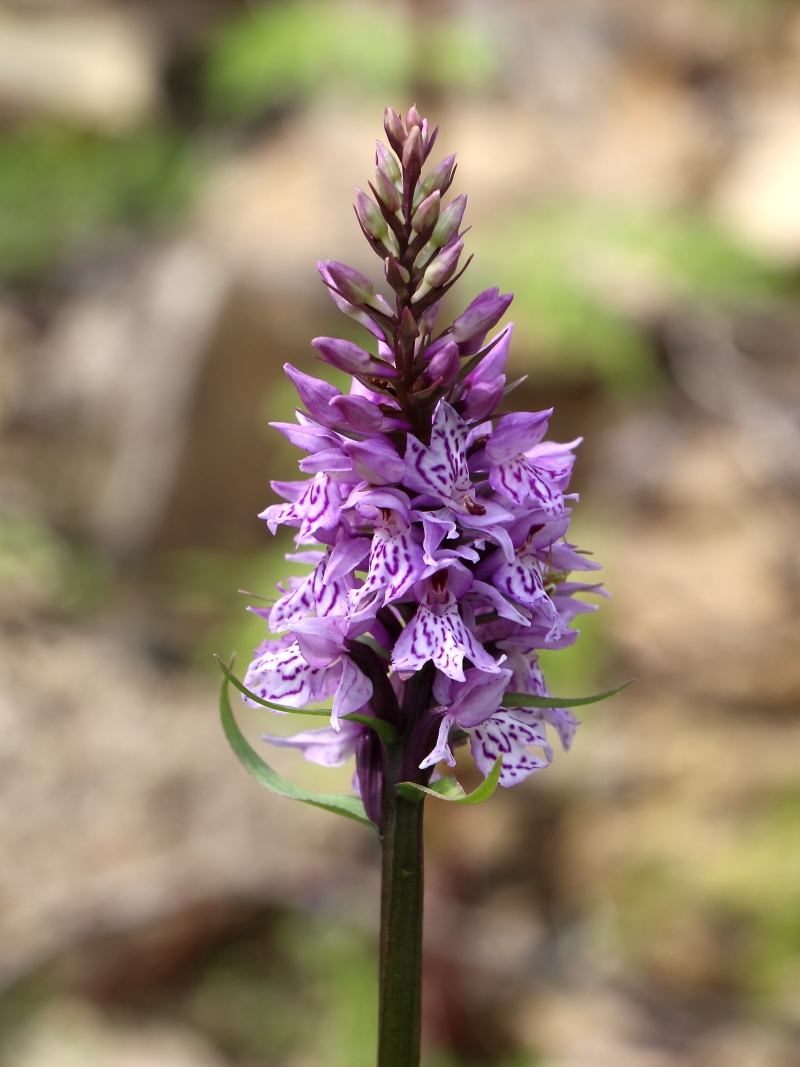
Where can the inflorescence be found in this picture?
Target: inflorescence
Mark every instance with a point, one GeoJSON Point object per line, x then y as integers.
{"type": "Point", "coordinates": [440, 560]}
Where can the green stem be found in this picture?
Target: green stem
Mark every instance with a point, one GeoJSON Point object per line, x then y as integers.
{"type": "Point", "coordinates": [401, 923]}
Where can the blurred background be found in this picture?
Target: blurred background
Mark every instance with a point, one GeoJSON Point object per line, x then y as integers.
{"type": "Point", "coordinates": [170, 171]}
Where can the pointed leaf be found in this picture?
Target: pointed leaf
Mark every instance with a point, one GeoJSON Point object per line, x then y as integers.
{"type": "Point", "coordinates": [350, 807]}
{"type": "Point", "coordinates": [384, 730]}
{"type": "Point", "coordinates": [525, 700]}
{"type": "Point", "coordinates": [448, 788]}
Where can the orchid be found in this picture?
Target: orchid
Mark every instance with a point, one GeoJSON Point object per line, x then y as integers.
{"type": "Point", "coordinates": [435, 527]}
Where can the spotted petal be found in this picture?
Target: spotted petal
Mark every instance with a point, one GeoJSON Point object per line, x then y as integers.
{"type": "Point", "coordinates": [504, 736]}
{"type": "Point", "coordinates": [519, 479]}
{"type": "Point", "coordinates": [440, 469]}
{"type": "Point", "coordinates": [439, 635]}
{"type": "Point", "coordinates": [522, 580]}
{"type": "Point", "coordinates": [317, 508]}
{"type": "Point", "coordinates": [315, 594]}
{"type": "Point", "coordinates": [280, 672]}
{"type": "Point", "coordinates": [395, 564]}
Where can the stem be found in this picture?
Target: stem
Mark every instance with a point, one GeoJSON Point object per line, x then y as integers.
{"type": "Point", "coordinates": [401, 923]}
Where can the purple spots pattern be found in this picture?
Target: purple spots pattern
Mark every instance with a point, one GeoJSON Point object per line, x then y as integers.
{"type": "Point", "coordinates": [395, 563]}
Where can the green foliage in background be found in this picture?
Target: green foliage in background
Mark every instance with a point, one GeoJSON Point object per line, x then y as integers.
{"type": "Point", "coordinates": [587, 277]}
{"type": "Point", "coordinates": [277, 53]}
{"type": "Point", "coordinates": [40, 571]}
{"type": "Point", "coordinates": [255, 996]}
{"type": "Point", "coordinates": [61, 188]}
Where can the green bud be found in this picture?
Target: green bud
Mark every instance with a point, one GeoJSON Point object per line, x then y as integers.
{"type": "Point", "coordinates": [427, 213]}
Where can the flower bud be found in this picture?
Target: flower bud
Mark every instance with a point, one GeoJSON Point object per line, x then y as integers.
{"type": "Point", "coordinates": [348, 308]}
{"type": "Point", "coordinates": [495, 362]}
{"type": "Point", "coordinates": [445, 364]}
{"type": "Point", "coordinates": [413, 118]}
{"type": "Point", "coordinates": [412, 152]}
{"type": "Point", "coordinates": [359, 413]}
{"type": "Point", "coordinates": [386, 160]}
{"type": "Point", "coordinates": [387, 191]}
{"type": "Point", "coordinates": [351, 284]}
{"type": "Point", "coordinates": [427, 320]}
{"type": "Point", "coordinates": [442, 268]}
{"type": "Point", "coordinates": [483, 398]}
{"type": "Point", "coordinates": [470, 328]}
{"type": "Point", "coordinates": [370, 216]}
{"type": "Point", "coordinates": [343, 354]}
{"type": "Point", "coordinates": [427, 213]}
{"type": "Point", "coordinates": [376, 461]}
{"type": "Point", "coordinates": [449, 222]}
{"type": "Point", "coordinates": [395, 131]}
{"type": "Point", "coordinates": [438, 178]}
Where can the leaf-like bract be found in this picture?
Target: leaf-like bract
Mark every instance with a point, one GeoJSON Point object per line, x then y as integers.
{"type": "Point", "coordinates": [448, 788]}
{"type": "Point", "coordinates": [525, 700]}
{"type": "Point", "coordinates": [350, 807]}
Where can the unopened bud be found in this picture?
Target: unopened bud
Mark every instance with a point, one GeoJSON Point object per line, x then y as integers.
{"type": "Point", "coordinates": [413, 118]}
{"type": "Point", "coordinates": [449, 222]}
{"type": "Point", "coordinates": [470, 328]}
{"type": "Point", "coordinates": [386, 159]}
{"type": "Point", "coordinates": [370, 216]}
{"type": "Point", "coordinates": [351, 284]}
{"type": "Point", "coordinates": [412, 152]}
{"type": "Point", "coordinates": [483, 398]}
{"type": "Point", "coordinates": [343, 354]}
{"type": "Point", "coordinates": [445, 364]}
{"type": "Point", "coordinates": [442, 268]}
{"type": "Point", "coordinates": [427, 320]}
{"type": "Point", "coordinates": [387, 191]}
{"type": "Point", "coordinates": [438, 177]}
{"type": "Point", "coordinates": [358, 413]}
{"type": "Point", "coordinates": [444, 265]}
{"type": "Point", "coordinates": [427, 213]}
{"type": "Point", "coordinates": [395, 130]}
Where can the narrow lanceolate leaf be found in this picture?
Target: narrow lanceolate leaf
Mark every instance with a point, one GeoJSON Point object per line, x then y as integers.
{"type": "Point", "coordinates": [525, 700]}
{"type": "Point", "coordinates": [448, 788]}
{"type": "Point", "coordinates": [384, 730]}
{"type": "Point", "coordinates": [350, 807]}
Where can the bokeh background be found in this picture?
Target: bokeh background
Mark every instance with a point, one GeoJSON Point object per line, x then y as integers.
{"type": "Point", "coordinates": [170, 171]}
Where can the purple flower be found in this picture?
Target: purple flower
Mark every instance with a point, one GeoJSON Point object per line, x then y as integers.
{"type": "Point", "coordinates": [438, 633]}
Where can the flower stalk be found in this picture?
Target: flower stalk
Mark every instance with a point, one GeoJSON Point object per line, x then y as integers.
{"type": "Point", "coordinates": [436, 533]}
{"type": "Point", "coordinates": [402, 873]}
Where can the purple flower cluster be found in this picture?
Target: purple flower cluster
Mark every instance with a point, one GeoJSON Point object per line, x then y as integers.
{"type": "Point", "coordinates": [440, 562]}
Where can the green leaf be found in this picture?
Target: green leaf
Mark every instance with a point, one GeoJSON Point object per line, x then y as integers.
{"type": "Point", "coordinates": [350, 807]}
{"type": "Point", "coordinates": [448, 788]}
{"type": "Point", "coordinates": [523, 700]}
{"type": "Point", "coordinates": [384, 730]}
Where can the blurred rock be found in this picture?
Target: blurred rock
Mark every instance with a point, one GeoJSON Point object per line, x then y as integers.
{"type": "Point", "coordinates": [95, 66]}
{"type": "Point", "coordinates": [705, 580]}
{"type": "Point", "coordinates": [121, 801]}
{"type": "Point", "coordinates": [112, 388]}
